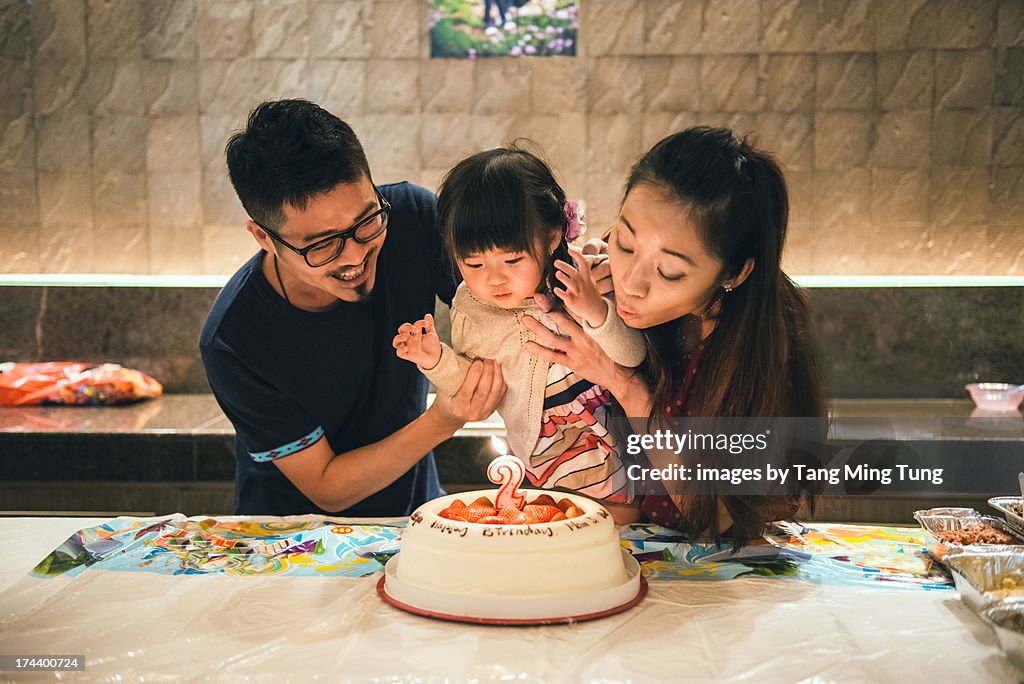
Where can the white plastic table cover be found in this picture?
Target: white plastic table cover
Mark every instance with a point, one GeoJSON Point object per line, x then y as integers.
{"type": "Point", "coordinates": [221, 628]}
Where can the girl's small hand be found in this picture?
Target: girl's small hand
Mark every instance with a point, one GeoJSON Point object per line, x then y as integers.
{"type": "Point", "coordinates": [596, 252]}
{"type": "Point", "coordinates": [418, 342]}
{"type": "Point", "coordinates": [579, 292]}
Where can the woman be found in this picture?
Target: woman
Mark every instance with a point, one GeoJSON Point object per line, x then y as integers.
{"type": "Point", "coordinates": [695, 261]}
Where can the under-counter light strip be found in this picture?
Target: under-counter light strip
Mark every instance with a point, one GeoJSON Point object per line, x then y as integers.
{"type": "Point", "coordinates": [217, 281]}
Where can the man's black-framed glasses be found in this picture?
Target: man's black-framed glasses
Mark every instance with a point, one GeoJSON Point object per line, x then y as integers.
{"type": "Point", "coordinates": [323, 252]}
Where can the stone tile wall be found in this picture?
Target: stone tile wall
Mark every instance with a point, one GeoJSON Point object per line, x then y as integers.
{"type": "Point", "coordinates": [900, 121]}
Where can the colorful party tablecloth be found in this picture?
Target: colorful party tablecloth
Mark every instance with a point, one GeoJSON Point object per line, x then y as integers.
{"type": "Point", "coordinates": [823, 553]}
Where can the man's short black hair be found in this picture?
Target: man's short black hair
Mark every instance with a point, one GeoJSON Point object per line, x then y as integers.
{"type": "Point", "coordinates": [289, 152]}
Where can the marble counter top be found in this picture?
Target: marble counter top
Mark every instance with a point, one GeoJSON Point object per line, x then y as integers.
{"type": "Point", "coordinates": [176, 453]}
{"type": "Point", "coordinates": [172, 413]}
{"type": "Point", "coordinates": [199, 414]}
{"type": "Point", "coordinates": [181, 414]}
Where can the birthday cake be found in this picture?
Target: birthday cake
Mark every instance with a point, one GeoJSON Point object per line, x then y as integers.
{"type": "Point", "coordinates": [510, 565]}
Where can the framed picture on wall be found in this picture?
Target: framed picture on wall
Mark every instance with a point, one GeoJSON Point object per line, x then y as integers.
{"type": "Point", "coordinates": [468, 29]}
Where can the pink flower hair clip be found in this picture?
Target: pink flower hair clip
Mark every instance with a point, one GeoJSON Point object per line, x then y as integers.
{"type": "Point", "coordinates": [575, 219]}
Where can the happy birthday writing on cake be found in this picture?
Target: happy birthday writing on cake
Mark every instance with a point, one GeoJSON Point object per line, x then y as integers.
{"type": "Point", "coordinates": [449, 529]}
{"type": "Point", "coordinates": [516, 531]}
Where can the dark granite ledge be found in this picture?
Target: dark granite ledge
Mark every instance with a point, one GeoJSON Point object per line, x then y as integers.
{"type": "Point", "coordinates": [199, 415]}
{"type": "Point", "coordinates": [176, 453]}
{"type": "Point", "coordinates": [187, 437]}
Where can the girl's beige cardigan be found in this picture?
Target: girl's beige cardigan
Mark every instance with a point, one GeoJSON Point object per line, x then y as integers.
{"type": "Point", "coordinates": [481, 330]}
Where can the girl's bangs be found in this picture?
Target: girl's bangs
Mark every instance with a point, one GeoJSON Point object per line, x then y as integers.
{"type": "Point", "coordinates": [483, 221]}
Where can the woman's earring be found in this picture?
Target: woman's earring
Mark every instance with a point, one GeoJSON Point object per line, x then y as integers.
{"type": "Point", "coordinates": [727, 286]}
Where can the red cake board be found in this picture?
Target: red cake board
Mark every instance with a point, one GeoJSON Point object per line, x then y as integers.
{"type": "Point", "coordinates": [512, 622]}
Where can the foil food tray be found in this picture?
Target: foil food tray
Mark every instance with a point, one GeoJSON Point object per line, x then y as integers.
{"type": "Point", "coordinates": [939, 548]}
{"type": "Point", "coordinates": [954, 512]}
{"type": "Point", "coordinates": [980, 576]}
{"type": "Point", "coordinates": [1012, 507]}
{"type": "Point", "coordinates": [1008, 620]}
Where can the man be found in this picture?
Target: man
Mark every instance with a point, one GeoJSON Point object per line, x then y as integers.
{"type": "Point", "coordinates": [297, 346]}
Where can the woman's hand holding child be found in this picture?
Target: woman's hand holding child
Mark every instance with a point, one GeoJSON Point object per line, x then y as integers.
{"type": "Point", "coordinates": [418, 342]}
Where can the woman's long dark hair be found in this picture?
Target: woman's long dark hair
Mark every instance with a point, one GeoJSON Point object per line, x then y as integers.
{"type": "Point", "coordinates": [504, 198]}
{"type": "Point", "coordinates": [760, 362]}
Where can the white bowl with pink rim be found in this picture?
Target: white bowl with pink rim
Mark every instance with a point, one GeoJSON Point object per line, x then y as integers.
{"type": "Point", "coordinates": [996, 396]}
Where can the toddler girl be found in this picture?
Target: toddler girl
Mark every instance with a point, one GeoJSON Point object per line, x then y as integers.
{"type": "Point", "coordinates": [506, 225]}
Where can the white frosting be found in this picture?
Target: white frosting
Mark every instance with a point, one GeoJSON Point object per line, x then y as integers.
{"type": "Point", "coordinates": [573, 556]}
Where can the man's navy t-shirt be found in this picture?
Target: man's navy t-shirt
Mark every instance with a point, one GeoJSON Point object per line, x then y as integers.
{"type": "Point", "coordinates": [285, 377]}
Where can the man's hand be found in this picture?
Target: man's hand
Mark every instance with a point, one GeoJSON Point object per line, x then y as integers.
{"type": "Point", "coordinates": [418, 342]}
{"type": "Point", "coordinates": [579, 292]}
{"type": "Point", "coordinates": [476, 399]}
